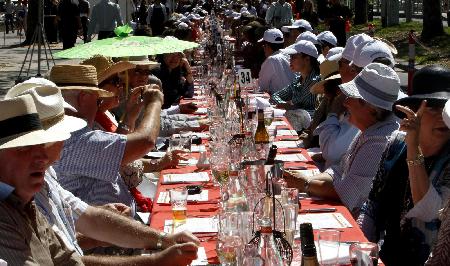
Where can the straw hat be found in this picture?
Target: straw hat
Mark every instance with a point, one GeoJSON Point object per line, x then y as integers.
{"type": "Point", "coordinates": [143, 62]}
{"type": "Point", "coordinates": [23, 87]}
{"type": "Point", "coordinates": [50, 106]}
{"type": "Point", "coordinates": [21, 126]}
{"type": "Point", "coordinates": [77, 77]}
{"type": "Point", "coordinates": [106, 67]}
{"type": "Point", "coordinates": [328, 70]}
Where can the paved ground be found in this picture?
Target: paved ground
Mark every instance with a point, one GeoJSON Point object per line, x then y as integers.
{"type": "Point", "coordinates": [12, 57]}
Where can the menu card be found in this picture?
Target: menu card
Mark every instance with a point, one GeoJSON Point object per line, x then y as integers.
{"type": "Point", "coordinates": [279, 123]}
{"type": "Point", "coordinates": [287, 144]}
{"type": "Point", "coordinates": [164, 197]}
{"type": "Point", "coordinates": [286, 132]}
{"type": "Point", "coordinates": [201, 111]}
{"type": "Point", "coordinates": [291, 157]}
{"type": "Point", "coordinates": [194, 225]}
{"type": "Point", "coordinates": [324, 220]}
{"type": "Point", "coordinates": [191, 161]}
{"type": "Point", "coordinates": [198, 148]}
{"type": "Point", "coordinates": [185, 178]}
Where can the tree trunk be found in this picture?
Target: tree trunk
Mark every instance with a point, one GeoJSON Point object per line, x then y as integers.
{"type": "Point", "coordinates": [432, 19]}
{"type": "Point", "coordinates": [361, 12]}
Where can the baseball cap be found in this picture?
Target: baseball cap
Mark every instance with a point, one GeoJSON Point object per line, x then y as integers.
{"type": "Point", "coordinates": [307, 36]}
{"type": "Point", "coordinates": [351, 45]}
{"type": "Point", "coordinates": [327, 36]}
{"type": "Point", "coordinates": [333, 52]}
{"type": "Point", "coordinates": [300, 23]}
{"type": "Point", "coordinates": [366, 53]}
{"type": "Point", "coordinates": [305, 47]}
{"type": "Point", "coordinates": [272, 36]}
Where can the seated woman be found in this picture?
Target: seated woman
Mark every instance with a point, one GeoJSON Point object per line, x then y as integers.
{"type": "Point", "coordinates": [297, 98]}
{"type": "Point", "coordinates": [413, 180]}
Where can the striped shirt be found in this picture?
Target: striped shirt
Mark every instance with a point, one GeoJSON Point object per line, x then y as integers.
{"type": "Point", "coordinates": [89, 167]}
{"type": "Point", "coordinates": [26, 238]}
{"type": "Point", "coordinates": [60, 208]}
{"type": "Point", "coordinates": [352, 178]}
{"type": "Point", "coordinates": [298, 92]}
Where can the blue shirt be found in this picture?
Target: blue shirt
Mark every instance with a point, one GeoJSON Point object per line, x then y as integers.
{"type": "Point", "coordinates": [5, 190]}
{"type": "Point", "coordinates": [89, 167]}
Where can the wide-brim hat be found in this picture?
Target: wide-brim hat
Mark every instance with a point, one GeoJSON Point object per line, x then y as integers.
{"type": "Point", "coordinates": [431, 83]}
{"type": "Point", "coordinates": [143, 62]}
{"type": "Point", "coordinates": [106, 67]}
{"type": "Point", "coordinates": [49, 104]}
{"type": "Point", "coordinates": [21, 126]}
{"type": "Point", "coordinates": [446, 114]}
{"type": "Point", "coordinates": [77, 77]}
{"type": "Point", "coordinates": [376, 84]}
{"type": "Point", "coordinates": [329, 70]}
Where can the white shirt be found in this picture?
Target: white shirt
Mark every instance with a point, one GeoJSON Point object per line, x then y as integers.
{"type": "Point", "coordinates": [279, 15]}
{"type": "Point", "coordinates": [275, 73]}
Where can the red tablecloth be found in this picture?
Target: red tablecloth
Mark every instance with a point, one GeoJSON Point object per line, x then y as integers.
{"type": "Point", "coordinates": [162, 212]}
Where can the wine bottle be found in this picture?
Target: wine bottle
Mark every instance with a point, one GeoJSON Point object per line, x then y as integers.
{"type": "Point", "coordinates": [309, 253]}
{"type": "Point", "coordinates": [272, 154]}
{"type": "Point", "coordinates": [261, 135]}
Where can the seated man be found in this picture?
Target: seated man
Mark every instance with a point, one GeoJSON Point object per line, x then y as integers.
{"type": "Point", "coordinates": [369, 101]}
{"type": "Point", "coordinates": [275, 73]}
{"type": "Point", "coordinates": [97, 224]}
{"type": "Point", "coordinates": [26, 238]}
{"type": "Point", "coordinates": [91, 159]}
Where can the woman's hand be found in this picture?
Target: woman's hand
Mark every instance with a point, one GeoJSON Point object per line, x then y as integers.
{"type": "Point", "coordinates": [411, 124]}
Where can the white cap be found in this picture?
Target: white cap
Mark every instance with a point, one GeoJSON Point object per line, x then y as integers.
{"type": "Point", "coordinates": [351, 45]}
{"type": "Point", "coordinates": [367, 52]}
{"type": "Point", "coordinates": [328, 37]}
{"type": "Point", "coordinates": [333, 52]}
{"type": "Point", "coordinates": [446, 113]}
{"type": "Point", "coordinates": [305, 47]}
{"type": "Point", "coordinates": [307, 36]}
{"type": "Point", "coordinates": [376, 84]}
{"type": "Point", "coordinates": [272, 36]}
{"type": "Point", "coordinates": [245, 13]}
{"type": "Point", "coordinates": [236, 15]}
{"type": "Point", "coordinates": [300, 23]}
{"type": "Point", "coordinates": [243, 9]}
{"type": "Point", "coordinates": [183, 26]}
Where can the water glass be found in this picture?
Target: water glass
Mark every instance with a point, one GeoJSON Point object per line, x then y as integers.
{"type": "Point", "coordinates": [328, 242]}
{"type": "Point", "coordinates": [364, 254]}
{"type": "Point", "coordinates": [290, 226]}
{"type": "Point", "coordinates": [174, 144]}
{"type": "Point", "coordinates": [268, 116]}
{"type": "Point", "coordinates": [178, 200]}
{"type": "Point", "coordinates": [229, 250]}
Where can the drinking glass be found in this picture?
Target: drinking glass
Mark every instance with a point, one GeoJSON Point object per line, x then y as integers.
{"type": "Point", "coordinates": [290, 222]}
{"type": "Point", "coordinates": [178, 200]}
{"type": "Point", "coordinates": [328, 241]}
{"type": "Point", "coordinates": [229, 250]}
{"type": "Point", "coordinates": [174, 144]}
{"type": "Point", "coordinates": [364, 254]}
{"type": "Point", "coordinates": [268, 116]}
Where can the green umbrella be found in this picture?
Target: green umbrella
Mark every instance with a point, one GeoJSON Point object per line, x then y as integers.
{"type": "Point", "coordinates": [127, 46]}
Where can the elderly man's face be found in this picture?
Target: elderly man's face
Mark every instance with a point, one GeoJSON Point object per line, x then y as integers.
{"type": "Point", "coordinates": [24, 168]}
{"type": "Point", "coordinates": [360, 113]}
{"type": "Point", "coordinates": [346, 71]}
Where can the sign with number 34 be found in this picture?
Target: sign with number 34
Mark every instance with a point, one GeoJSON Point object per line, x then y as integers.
{"type": "Point", "coordinates": [245, 77]}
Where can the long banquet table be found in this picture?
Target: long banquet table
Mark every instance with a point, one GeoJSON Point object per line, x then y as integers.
{"type": "Point", "coordinates": [162, 212]}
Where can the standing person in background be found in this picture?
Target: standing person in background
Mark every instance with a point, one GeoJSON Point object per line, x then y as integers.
{"type": "Point", "coordinates": [51, 20]}
{"type": "Point", "coordinates": [105, 17]}
{"type": "Point", "coordinates": [9, 16]}
{"type": "Point", "coordinates": [309, 13]}
{"type": "Point", "coordinates": [336, 16]}
{"type": "Point", "coordinates": [69, 15]}
{"type": "Point", "coordinates": [279, 14]}
{"type": "Point", "coordinates": [85, 11]}
{"type": "Point", "coordinates": [21, 12]}
{"type": "Point", "coordinates": [157, 16]}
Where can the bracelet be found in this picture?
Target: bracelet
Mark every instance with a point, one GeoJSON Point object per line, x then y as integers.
{"type": "Point", "coordinates": [416, 162]}
{"type": "Point", "coordinates": [124, 127]}
{"type": "Point", "coordinates": [161, 235]}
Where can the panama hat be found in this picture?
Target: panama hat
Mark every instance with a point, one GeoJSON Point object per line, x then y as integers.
{"type": "Point", "coordinates": [77, 77]}
{"type": "Point", "coordinates": [22, 87]}
{"type": "Point", "coordinates": [328, 70]}
{"type": "Point", "coordinates": [50, 107]}
{"type": "Point", "coordinates": [106, 67]}
{"type": "Point", "coordinates": [431, 83]}
{"type": "Point", "coordinates": [376, 84]}
{"type": "Point", "coordinates": [20, 124]}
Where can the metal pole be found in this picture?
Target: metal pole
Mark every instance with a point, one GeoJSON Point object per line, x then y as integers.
{"type": "Point", "coordinates": [411, 61]}
{"type": "Point", "coordinates": [40, 23]}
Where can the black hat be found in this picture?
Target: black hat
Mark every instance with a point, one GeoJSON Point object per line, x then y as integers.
{"type": "Point", "coordinates": [431, 83]}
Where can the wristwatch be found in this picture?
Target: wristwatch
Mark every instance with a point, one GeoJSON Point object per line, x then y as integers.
{"type": "Point", "coordinates": [124, 126]}
{"type": "Point", "coordinates": [159, 243]}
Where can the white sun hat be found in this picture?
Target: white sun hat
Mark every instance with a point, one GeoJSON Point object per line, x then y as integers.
{"type": "Point", "coordinates": [300, 23]}
{"type": "Point", "coordinates": [367, 52]}
{"type": "Point", "coordinates": [328, 37]}
{"type": "Point", "coordinates": [272, 36]}
{"type": "Point", "coordinates": [446, 113]}
{"type": "Point", "coordinates": [333, 52]}
{"type": "Point", "coordinates": [49, 105]}
{"type": "Point", "coordinates": [305, 47]}
{"type": "Point", "coordinates": [376, 84]}
{"type": "Point", "coordinates": [350, 46]}
{"type": "Point", "coordinates": [307, 36]}
{"type": "Point", "coordinates": [20, 124]}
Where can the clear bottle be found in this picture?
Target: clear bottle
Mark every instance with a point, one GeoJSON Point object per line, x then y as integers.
{"type": "Point", "coordinates": [237, 198]}
{"type": "Point", "coordinates": [309, 253]}
{"type": "Point", "coordinates": [261, 134]}
{"type": "Point", "coordinates": [267, 249]}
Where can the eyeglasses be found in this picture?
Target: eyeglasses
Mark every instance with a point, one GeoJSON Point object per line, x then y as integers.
{"type": "Point", "coordinates": [144, 72]}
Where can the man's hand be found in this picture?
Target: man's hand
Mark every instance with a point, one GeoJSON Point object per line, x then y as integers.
{"type": "Point", "coordinates": [203, 125]}
{"type": "Point", "coordinates": [152, 93]}
{"type": "Point", "coordinates": [119, 208]}
{"type": "Point", "coordinates": [295, 180]}
{"type": "Point", "coordinates": [170, 159]}
{"type": "Point", "coordinates": [178, 255]}
{"type": "Point", "coordinates": [182, 237]}
{"type": "Point", "coordinates": [188, 108]}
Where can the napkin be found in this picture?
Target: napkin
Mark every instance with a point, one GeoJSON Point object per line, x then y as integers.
{"type": "Point", "coordinates": [193, 225]}
{"type": "Point", "coordinates": [164, 197]}
{"type": "Point", "coordinates": [262, 103]}
{"type": "Point", "coordinates": [291, 157]}
{"type": "Point", "coordinates": [324, 220]}
{"type": "Point", "coordinates": [185, 178]}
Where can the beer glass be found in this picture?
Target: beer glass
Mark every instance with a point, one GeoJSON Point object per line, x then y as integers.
{"type": "Point", "coordinates": [178, 200]}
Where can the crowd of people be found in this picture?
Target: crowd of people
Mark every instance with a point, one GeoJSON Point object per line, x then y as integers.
{"type": "Point", "coordinates": [72, 144]}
